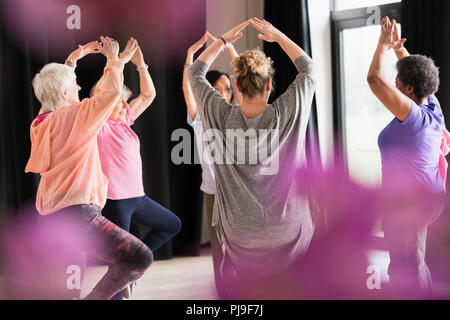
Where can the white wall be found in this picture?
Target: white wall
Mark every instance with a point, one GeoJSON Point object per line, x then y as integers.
{"type": "Point", "coordinates": [319, 21]}
{"type": "Point", "coordinates": [222, 15]}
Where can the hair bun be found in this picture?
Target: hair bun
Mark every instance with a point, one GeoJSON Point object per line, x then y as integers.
{"type": "Point", "coordinates": [251, 70]}
{"type": "Point", "coordinates": [253, 61]}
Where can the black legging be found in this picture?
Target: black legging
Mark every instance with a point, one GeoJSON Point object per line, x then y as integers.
{"type": "Point", "coordinates": [163, 223]}
{"type": "Point", "coordinates": [128, 257]}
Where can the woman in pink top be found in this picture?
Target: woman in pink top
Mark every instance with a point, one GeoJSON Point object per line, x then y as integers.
{"type": "Point", "coordinates": [64, 151]}
{"type": "Point", "coordinates": [119, 150]}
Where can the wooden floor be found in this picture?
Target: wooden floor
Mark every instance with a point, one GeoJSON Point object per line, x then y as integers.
{"type": "Point", "coordinates": [192, 278]}
{"type": "Point", "coordinates": [181, 278]}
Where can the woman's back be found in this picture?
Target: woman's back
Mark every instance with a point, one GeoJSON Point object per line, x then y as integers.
{"type": "Point", "coordinates": [411, 148]}
{"type": "Point", "coordinates": [252, 161]}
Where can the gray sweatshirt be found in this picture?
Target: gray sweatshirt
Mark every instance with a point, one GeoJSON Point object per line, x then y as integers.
{"type": "Point", "coordinates": [259, 219]}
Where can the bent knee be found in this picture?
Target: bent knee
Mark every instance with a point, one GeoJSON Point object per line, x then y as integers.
{"type": "Point", "coordinates": [147, 258]}
{"type": "Point", "coordinates": [143, 260]}
{"type": "Point", "coordinates": [173, 226]}
{"type": "Point", "coordinates": [176, 225]}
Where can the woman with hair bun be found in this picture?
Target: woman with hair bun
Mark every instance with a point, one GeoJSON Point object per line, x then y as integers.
{"type": "Point", "coordinates": [261, 229]}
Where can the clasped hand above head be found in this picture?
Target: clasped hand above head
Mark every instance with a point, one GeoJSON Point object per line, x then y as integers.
{"type": "Point", "coordinates": [83, 50]}
{"type": "Point", "coordinates": [110, 49]}
{"type": "Point", "coordinates": [389, 37]}
{"type": "Point", "coordinates": [267, 31]}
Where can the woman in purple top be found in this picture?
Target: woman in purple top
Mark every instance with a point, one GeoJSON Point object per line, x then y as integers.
{"type": "Point", "coordinates": [409, 147]}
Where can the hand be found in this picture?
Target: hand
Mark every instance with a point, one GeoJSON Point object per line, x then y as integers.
{"type": "Point", "coordinates": [268, 32]}
{"type": "Point", "coordinates": [110, 48]}
{"type": "Point", "coordinates": [138, 57]}
{"type": "Point", "coordinates": [235, 33]}
{"type": "Point", "coordinates": [129, 50]}
{"type": "Point", "coordinates": [83, 50]}
{"type": "Point", "coordinates": [197, 45]}
{"type": "Point", "coordinates": [387, 38]}
{"type": "Point", "coordinates": [396, 38]}
{"type": "Point", "coordinates": [212, 38]}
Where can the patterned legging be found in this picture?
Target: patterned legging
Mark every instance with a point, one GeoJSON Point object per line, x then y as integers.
{"type": "Point", "coordinates": [128, 257]}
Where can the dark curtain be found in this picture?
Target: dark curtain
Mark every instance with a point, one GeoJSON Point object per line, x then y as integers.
{"type": "Point", "coordinates": [34, 33]}
{"type": "Point", "coordinates": [426, 26]}
{"type": "Point", "coordinates": [292, 18]}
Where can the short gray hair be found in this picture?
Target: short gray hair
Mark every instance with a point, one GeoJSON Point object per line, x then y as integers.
{"type": "Point", "coordinates": [50, 83]}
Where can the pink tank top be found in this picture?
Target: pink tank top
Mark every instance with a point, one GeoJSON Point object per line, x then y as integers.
{"type": "Point", "coordinates": [120, 157]}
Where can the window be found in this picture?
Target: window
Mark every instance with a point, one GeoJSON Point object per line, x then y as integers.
{"type": "Point", "coordinates": [359, 116]}
{"type": "Point", "coordinates": [365, 116]}
{"type": "Point", "coordinates": [352, 4]}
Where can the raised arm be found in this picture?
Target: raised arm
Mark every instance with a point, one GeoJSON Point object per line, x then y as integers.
{"type": "Point", "coordinates": [295, 102]}
{"type": "Point", "coordinates": [94, 112]}
{"type": "Point", "coordinates": [231, 51]}
{"type": "Point", "coordinates": [230, 47]}
{"type": "Point", "coordinates": [113, 59]}
{"type": "Point", "coordinates": [399, 49]}
{"type": "Point", "coordinates": [210, 105]}
{"type": "Point", "coordinates": [210, 54]}
{"type": "Point", "coordinates": [147, 89]}
{"type": "Point", "coordinates": [392, 98]}
{"type": "Point", "coordinates": [233, 54]}
{"type": "Point", "coordinates": [191, 104]}
{"type": "Point", "coordinates": [82, 51]}
{"type": "Point", "coordinates": [271, 34]}
{"type": "Point", "coordinates": [112, 77]}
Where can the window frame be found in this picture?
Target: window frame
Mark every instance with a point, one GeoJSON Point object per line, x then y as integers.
{"type": "Point", "coordinates": [341, 20]}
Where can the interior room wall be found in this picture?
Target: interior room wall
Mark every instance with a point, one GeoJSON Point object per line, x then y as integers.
{"type": "Point", "coordinates": [320, 28]}
{"type": "Point", "coordinates": [223, 15]}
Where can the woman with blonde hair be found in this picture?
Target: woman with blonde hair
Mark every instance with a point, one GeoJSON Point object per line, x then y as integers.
{"type": "Point", "coordinates": [262, 228]}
